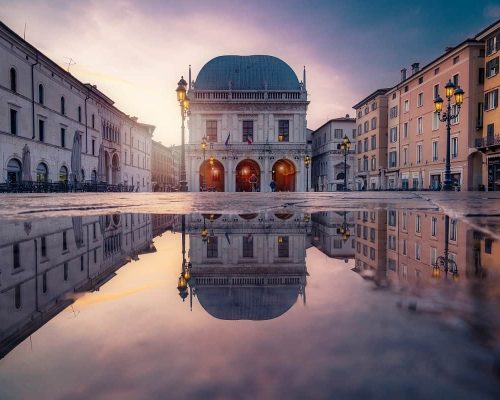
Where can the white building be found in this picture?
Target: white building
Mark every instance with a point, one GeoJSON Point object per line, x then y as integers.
{"type": "Point", "coordinates": [333, 233]}
{"type": "Point", "coordinates": [252, 112]}
{"type": "Point", "coordinates": [45, 111]}
{"type": "Point", "coordinates": [328, 159]}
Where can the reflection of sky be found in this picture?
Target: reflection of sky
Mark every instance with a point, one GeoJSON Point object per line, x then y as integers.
{"type": "Point", "coordinates": [136, 339]}
{"type": "Point", "coordinates": [136, 51]}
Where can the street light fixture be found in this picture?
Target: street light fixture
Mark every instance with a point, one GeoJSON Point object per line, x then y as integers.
{"type": "Point", "coordinates": [307, 162]}
{"type": "Point", "coordinates": [345, 146]}
{"type": "Point", "coordinates": [451, 91]}
{"type": "Point", "coordinates": [344, 229]}
{"type": "Point", "coordinates": [184, 103]}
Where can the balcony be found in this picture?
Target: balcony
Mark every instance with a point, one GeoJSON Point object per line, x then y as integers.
{"type": "Point", "coordinates": [489, 141]}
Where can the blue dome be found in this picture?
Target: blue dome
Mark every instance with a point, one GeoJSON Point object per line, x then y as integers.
{"type": "Point", "coordinates": [246, 73]}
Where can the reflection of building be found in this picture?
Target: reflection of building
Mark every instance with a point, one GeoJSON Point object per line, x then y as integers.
{"type": "Point", "coordinates": [163, 222]}
{"type": "Point", "coordinates": [333, 233]}
{"type": "Point", "coordinates": [252, 112]}
{"type": "Point", "coordinates": [45, 261]}
{"type": "Point", "coordinates": [164, 172]}
{"type": "Point", "coordinates": [249, 266]}
{"type": "Point", "coordinates": [327, 172]}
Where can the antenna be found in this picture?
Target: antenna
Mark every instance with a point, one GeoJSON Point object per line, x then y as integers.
{"type": "Point", "coordinates": [24, 34]}
{"type": "Point", "coordinates": [70, 62]}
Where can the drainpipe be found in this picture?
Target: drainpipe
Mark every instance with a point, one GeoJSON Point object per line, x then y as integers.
{"type": "Point", "coordinates": [86, 124]}
{"type": "Point", "coordinates": [33, 95]}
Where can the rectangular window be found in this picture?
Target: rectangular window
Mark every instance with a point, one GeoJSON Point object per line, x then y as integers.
{"type": "Point", "coordinates": [41, 130]}
{"type": "Point", "coordinates": [436, 91]}
{"type": "Point", "coordinates": [407, 105]}
{"type": "Point", "coordinates": [338, 133]}
{"type": "Point", "coordinates": [393, 112]}
{"type": "Point", "coordinates": [418, 223]}
{"type": "Point", "coordinates": [453, 229]}
{"type": "Point", "coordinates": [65, 241]}
{"type": "Point", "coordinates": [434, 226]}
{"type": "Point", "coordinates": [44, 282]}
{"type": "Point", "coordinates": [248, 246]}
{"type": "Point", "coordinates": [283, 130]}
{"type": "Point", "coordinates": [283, 246]}
{"type": "Point", "coordinates": [492, 67]}
{"type": "Point", "coordinates": [372, 235]}
{"type": "Point", "coordinates": [491, 45]}
{"type": "Point", "coordinates": [420, 125]}
{"type": "Point", "coordinates": [491, 100]}
{"type": "Point", "coordinates": [365, 145]}
{"type": "Point", "coordinates": [391, 217]}
{"type": "Point", "coordinates": [405, 247]}
{"type": "Point", "coordinates": [366, 126]}
{"type": "Point", "coordinates": [66, 272]}
{"type": "Point", "coordinates": [454, 147]}
{"type": "Point", "coordinates": [454, 111]}
{"type": "Point", "coordinates": [248, 131]}
{"type": "Point", "coordinates": [93, 147]}
{"type": "Point", "coordinates": [417, 251]}
{"type": "Point", "coordinates": [433, 256]}
{"type": "Point", "coordinates": [212, 247]}
{"type": "Point", "coordinates": [374, 163]}
{"type": "Point", "coordinates": [393, 134]}
{"type": "Point", "coordinates": [405, 155]}
{"type": "Point", "coordinates": [392, 159]}
{"type": "Point", "coordinates": [434, 150]}
{"type": "Point", "coordinates": [419, 153]}
{"type": "Point", "coordinates": [372, 253]}
{"type": "Point", "coordinates": [405, 130]}
{"type": "Point", "coordinates": [63, 137]}
{"type": "Point", "coordinates": [16, 256]}
{"type": "Point", "coordinates": [435, 121]}
{"type": "Point", "coordinates": [374, 142]}
{"type": "Point", "coordinates": [13, 121]}
{"type": "Point", "coordinates": [360, 129]}
{"type": "Point", "coordinates": [455, 59]}
{"type": "Point", "coordinates": [211, 131]}
{"type": "Point", "coordinates": [43, 246]}
{"type": "Point", "coordinates": [420, 100]}
{"type": "Point", "coordinates": [455, 79]}
{"type": "Point", "coordinates": [404, 222]}
{"type": "Point", "coordinates": [374, 123]}
{"type": "Point", "coordinates": [391, 242]}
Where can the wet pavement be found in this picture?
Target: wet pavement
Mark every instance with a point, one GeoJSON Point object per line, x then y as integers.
{"type": "Point", "coordinates": [351, 295]}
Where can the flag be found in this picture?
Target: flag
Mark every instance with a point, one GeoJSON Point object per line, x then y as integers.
{"type": "Point", "coordinates": [228, 137]}
{"type": "Point", "coordinates": [249, 140]}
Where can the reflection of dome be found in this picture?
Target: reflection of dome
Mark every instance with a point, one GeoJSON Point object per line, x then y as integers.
{"type": "Point", "coordinates": [250, 303]}
{"type": "Point", "coordinates": [283, 216]}
{"type": "Point", "coordinates": [248, 216]}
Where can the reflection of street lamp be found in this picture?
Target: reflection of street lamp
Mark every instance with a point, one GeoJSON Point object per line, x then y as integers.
{"type": "Point", "coordinates": [345, 146]}
{"type": "Point", "coordinates": [450, 91]}
{"type": "Point", "coordinates": [184, 103]}
{"type": "Point", "coordinates": [211, 160]}
{"type": "Point", "coordinates": [344, 229]}
{"type": "Point", "coordinates": [204, 147]}
{"type": "Point", "coordinates": [307, 162]}
{"type": "Point", "coordinates": [444, 261]}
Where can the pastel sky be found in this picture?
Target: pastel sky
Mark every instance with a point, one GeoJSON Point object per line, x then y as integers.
{"type": "Point", "coordinates": [136, 51]}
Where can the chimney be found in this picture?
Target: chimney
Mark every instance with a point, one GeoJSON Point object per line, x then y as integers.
{"type": "Point", "coordinates": [403, 74]}
{"type": "Point", "coordinates": [415, 68]}
{"type": "Point", "coordinates": [347, 116]}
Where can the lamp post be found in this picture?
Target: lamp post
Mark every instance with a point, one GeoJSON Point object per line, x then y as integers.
{"type": "Point", "coordinates": [444, 261]}
{"type": "Point", "coordinates": [344, 229]}
{"type": "Point", "coordinates": [450, 91]}
{"type": "Point", "coordinates": [185, 275]}
{"type": "Point", "coordinates": [345, 146]}
{"type": "Point", "coordinates": [307, 162]}
{"type": "Point", "coordinates": [183, 100]}
{"type": "Point", "coordinates": [204, 147]}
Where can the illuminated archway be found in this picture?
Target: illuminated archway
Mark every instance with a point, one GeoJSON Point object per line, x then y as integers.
{"type": "Point", "coordinates": [284, 173]}
{"type": "Point", "coordinates": [212, 176]}
{"type": "Point", "coordinates": [247, 176]}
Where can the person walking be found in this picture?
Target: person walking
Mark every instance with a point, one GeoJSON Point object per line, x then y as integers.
{"type": "Point", "coordinates": [273, 186]}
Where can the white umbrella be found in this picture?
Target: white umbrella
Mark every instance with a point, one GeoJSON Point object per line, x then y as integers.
{"type": "Point", "coordinates": [76, 158]}
{"type": "Point", "coordinates": [101, 173]}
{"type": "Point", "coordinates": [26, 163]}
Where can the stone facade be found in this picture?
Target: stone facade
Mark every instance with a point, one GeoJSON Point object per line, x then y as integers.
{"type": "Point", "coordinates": [252, 113]}
{"type": "Point", "coordinates": [164, 168]}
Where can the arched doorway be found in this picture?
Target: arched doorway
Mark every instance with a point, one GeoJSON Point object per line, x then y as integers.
{"type": "Point", "coordinates": [63, 174]}
{"type": "Point", "coordinates": [248, 176]}
{"type": "Point", "coordinates": [212, 176]}
{"type": "Point", "coordinates": [14, 171]}
{"type": "Point", "coordinates": [42, 173]}
{"type": "Point", "coordinates": [284, 176]}
{"type": "Point", "coordinates": [116, 169]}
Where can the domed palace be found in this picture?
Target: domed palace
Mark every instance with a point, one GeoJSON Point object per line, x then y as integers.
{"type": "Point", "coordinates": [247, 126]}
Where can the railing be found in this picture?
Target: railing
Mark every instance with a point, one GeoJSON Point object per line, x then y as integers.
{"type": "Point", "coordinates": [62, 187]}
{"type": "Point", "coordinates": [488, 141]}
{"type": "Point", "coordinates": [255, 95]}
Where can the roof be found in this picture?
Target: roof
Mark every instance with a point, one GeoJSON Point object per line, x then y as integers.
{"type": "Point", "coordinates": [341, 119]}
{"type": "Point", "coordinates": [370, 97]}
{"type": "Point", "coordinates": [256, 72]}
{"type": "Point", "coordinates": [488, 30]}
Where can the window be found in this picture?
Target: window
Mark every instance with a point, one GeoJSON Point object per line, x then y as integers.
{"type": "Point", "coordinates": [374, 142]}
{"type": "Point", "coordinates": [65, 241]}
{"type": "Point", "coordinates": [366, 126]}
{"type": "Point", "coordinates": [43, 246]}
{"type": "Point", "coordinates": [372, 253]}
{"type": "Point", "coordinates": [17, 297]}
{"type": "Point", "coordinates": [436, 91]}
{"type": "Point", "coordinates": [393, 159]}
{"type": "Point", "coordinates": [455, 79]}
{"type": "Point", "coordinates": [405, 247]}
{"type": "Point", "coordinates": [283, 246]}
{"type": "Point", "coordinates": [492, 67]}
{"type": "Point", "coordinates": [360, 129]}
{"type": "Point", "coordinates": [338, 133]}
{"type": "Point", "coordinates": [66, 272]}
{"type": "Point", "coordinates": [419, 153]}
{"type": "Point", "coordinates": [491, 100]}
{"type": "Point", "coordinates": [367, 110]}
{"type": "Point", "coordinates": [454, 147]}
{"type": "Point", "coordinates": [417, 251]}
{"type": "Point", "coordinates": [433, 256]}
{"type": "Point", "coordinates": [455, 59]}
{"type": "Point", "coordinates": [374, 123]}
{"type": "Point", "coordinates": [481, 76]}
{"type": "Point", "coordinates": [420, 125]}
{"type": "Point", "coordinates": [93, 121]}
{"type": "Point", "coordinates": [490, 134]}
{"type": "Point", "coordinates": [63, 106]}
{"type": "Point", "coordinates": [393, 112]}
{"type": "Point", "coordinates": [372, 235]}
{"type": "Point", "coordinates": [79, 114]}
{"type": "Point", "coordinates": [435, 121]}
{"type": "Point", "coordinates": [13, 80]}
{"type": "Point", "coordinates": [93, 150]}
{"type": "Point", "coordinates": [41, 130]}
{"type": "Point", "coordinates": [479, 115]}
{"type": "Point", "coordinates": [421, 80]}
{"type": "Point", "coordinates": [406, 88]}
{"type": "Point", "coordinates": [434, 150]}
{"type": "Point", "coordinates": [404, 221]}
{"type": "Point", "coordinates": [433, 226]}
{"type": "Point", "coordinates": [81, 263]}
{"type": "Point", "coordinates": [374, 106]}
{"type": "Point", "coordinates": [487, 245]}
{"type": "Point", "coordinates": [453, 229]}
{"type": "Point", "coordinates": [391, 217]}
{"type": "Point", "coordinates": [407, 105]}
{"type": "Point", "coordinates": [418, 223]}
{"type": "Point", "coordinates": [248, 246]}
{"type": "Point", "coordinates": [436, 71]}
{"type": "Point", "coordinates": [374, 163]}
{"type": "Point", "coordinates": [44, 282]}
{"type": "Point", "coordinates": [391, 243]}
{"type": "Point", "coordinates": [40, 94]}
{"type": "Point", "coordinates": [365, 232]}
{"type": "Point", "coordinates": [248, 131]}
{"type": "Point", "coordinates": [212, 247]}
{"type": "Point", "coordinates": [211, 131]}
{"type": "Point", "coordinates": [63, 137]}
{"type": "Point", "coordinates": [13, 121]}
{"type": "Point", "coordinates": [454, 111]}
{"type": "Point", "coordinates": [405, 155]}
{"type": "Point", "coordinates": [365, 144]}
{"type": "Point", "coordinates": [420, 100]}
{"type": "Point", "coordinates": [360, 114]}
{"type": "Point", "coordinates": [393, 134]}
{"type": "Point", "coordinates": [491, 45]}
{"type": "Point", "coordinates": [283, 130]}
{"type": "Point", "coordinates": [16, 256]}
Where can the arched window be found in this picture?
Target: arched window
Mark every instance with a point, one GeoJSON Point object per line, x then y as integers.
{"type": "Point", "coordinates": [63, 108]}
{"type": "Point", "coordinates": [79, 114]}
{"type": "Point", "coordinates": [42, 173]}
{"type": "Point", "coordinates": [40, 94]}
{"type": "Point", "coordinates": [93, 121]}
{"type": "Point", "coordinates": [63, 174]}
{"type": "Point", "coordinates": [14, 171]}
{"type": "Point", "coordinates": [13, 80]}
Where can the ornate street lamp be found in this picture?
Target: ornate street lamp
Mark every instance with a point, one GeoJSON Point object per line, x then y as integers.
{"type": "Point", "coordinates": [345, 146]}
{"type": "Point", "coordinates": [183, 100]}
{"type": "Point", "coordinates": [444, 262]}
{"type": "Point", "coordinates": [204, 147]}
{"type": "Point", "coordinates": [458, 93]}
{"type": "Point", "coordinates": [307, 162]}
{"type": "Point", "coordinates": [344, 229]}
